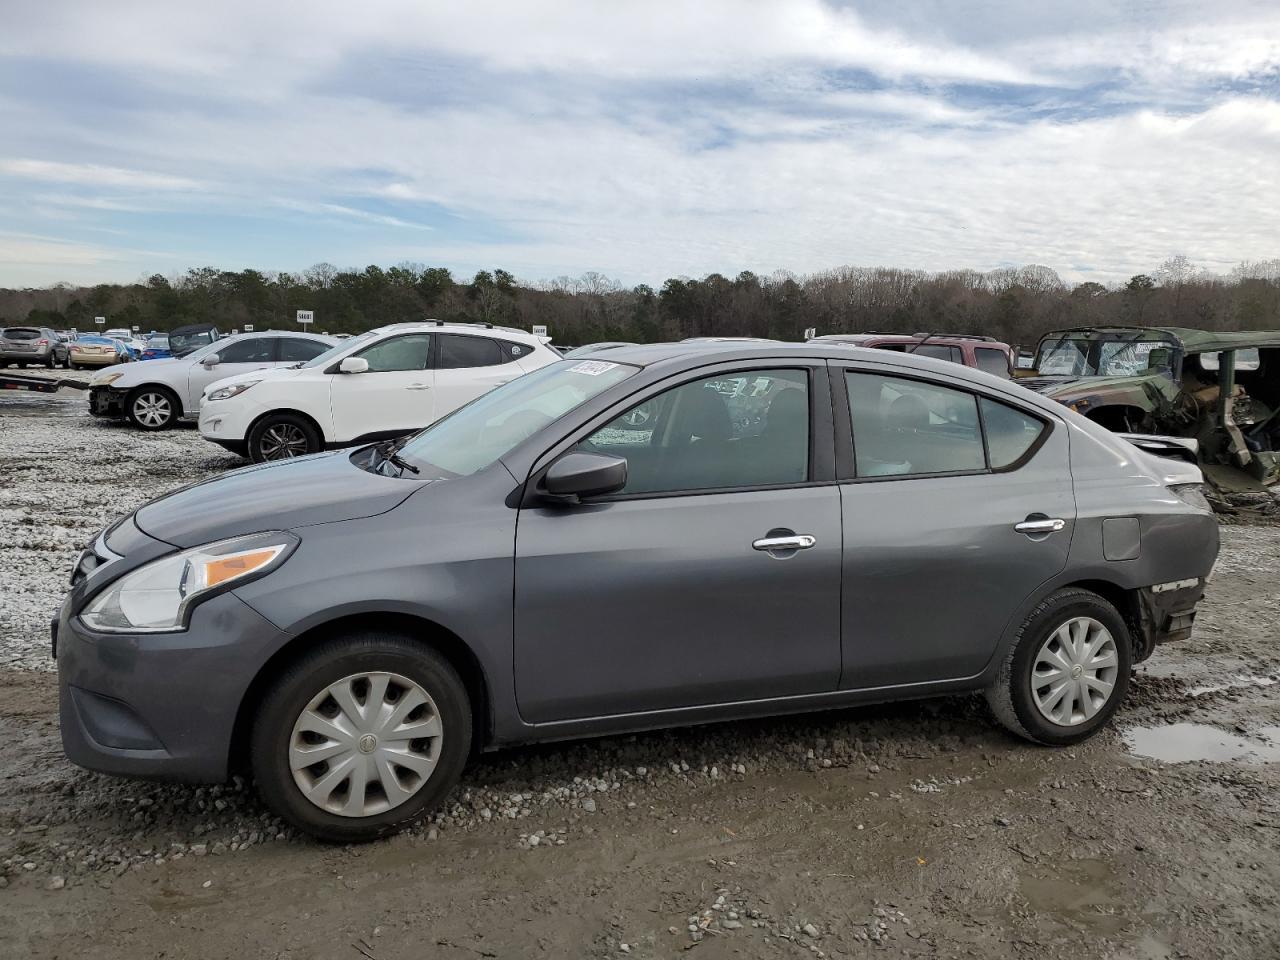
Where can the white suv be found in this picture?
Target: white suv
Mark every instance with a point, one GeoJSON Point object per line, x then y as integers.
{"type": "Point", "coordinates": [156, 394]}
{"type": "Point", "coordinates": [382, 384]}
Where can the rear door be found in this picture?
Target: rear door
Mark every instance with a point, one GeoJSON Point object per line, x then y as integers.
{"type": "Point", "coordinates": [468, 366]}
{"type": "Point", "coordinates": [937, 477]}
{"type": "Point", "coordinates": [668, 594]}
{"type": "Point", "coordinates": [393, 396]}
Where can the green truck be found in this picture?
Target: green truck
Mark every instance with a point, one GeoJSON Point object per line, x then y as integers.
{"type": "Point", "coordinates": [1218, 388]}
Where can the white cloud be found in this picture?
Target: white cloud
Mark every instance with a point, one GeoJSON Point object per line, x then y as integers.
{"type": "Point", "coordinates": [93, 175]}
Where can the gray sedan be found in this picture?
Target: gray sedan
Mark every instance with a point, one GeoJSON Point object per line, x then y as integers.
{"type": "Point", "coordinates": [788, 527]}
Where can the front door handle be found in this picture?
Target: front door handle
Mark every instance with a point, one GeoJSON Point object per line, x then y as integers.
{"type": "Point", "coordinates": [418, 386]}
{"type": "Point", "coordinates": [1040, 526]}
{"type": "Point", "coordinates": [799, 541]}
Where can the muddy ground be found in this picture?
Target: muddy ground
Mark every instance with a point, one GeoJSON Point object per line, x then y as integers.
{"type": "Point", "coordinates": [915, 830]}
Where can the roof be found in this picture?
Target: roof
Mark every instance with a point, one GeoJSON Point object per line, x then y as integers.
{"type": "Point", "coordinates": [1191, 339]}
{"type": "Point", "coordinates": [481, 329]}
{"type": "Point", "coordinates": [942, 339]}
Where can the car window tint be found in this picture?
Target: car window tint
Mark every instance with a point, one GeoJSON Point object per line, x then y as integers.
{"type": "Point", "coordinates": [459, 350]}
{"type": "Point", "coordinates": [511, 350]}
{"type": "Point", "coordinates": [938, 352]}
{"type": "Point", "coordinates": [739, 430]}
{"type": "Point", "coordinates": [992, 361]}
{"type": "Point", "coordinates": [410, 352]}
{"type": "Point", "coordinates": [910, 427]}
{"type": "Point", "coordinates": [250, 350]}
{"type": "Point", "coordinates": [295, 349]}
{"type": "Point", "coordinates": [1010, 432]}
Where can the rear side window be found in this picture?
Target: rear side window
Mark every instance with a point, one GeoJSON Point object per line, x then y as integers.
{"type": "Point", "coordinates": [992, 361]}
{"type": "Point", "coordinates": [908, 427]}
{"type": "Point", "coordinates": [459, 350]}
{"type": "Point", "coordinates": [252, 350]}
{"type": "Point", "coordinates": [1010, 433]}
{"type": "Point", "coordinates": [410, 352]}
{"type": "Point", "coordinates": [295, 349]}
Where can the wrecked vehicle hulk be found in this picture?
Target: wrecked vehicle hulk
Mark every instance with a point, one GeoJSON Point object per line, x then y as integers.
{"type": "Point", "coordinates": [1218, 388]}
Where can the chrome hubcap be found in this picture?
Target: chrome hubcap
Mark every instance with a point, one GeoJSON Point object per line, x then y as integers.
{"type": "Point", "coordinates": [152, 409]}
{"type": "Point", "coordinates": [1075, 671]}
{"type": "Point", "coordinates": [365, 744]}
{"type": "Point", "coordinates": [283, 440]}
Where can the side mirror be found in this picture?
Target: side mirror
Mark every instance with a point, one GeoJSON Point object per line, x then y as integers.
{"type": "Point", "coordinates": [585, 475]}
{"type": "Point", "coordinates": [212, 360]}
{"type": "Point", "coordinates": [353, 365]}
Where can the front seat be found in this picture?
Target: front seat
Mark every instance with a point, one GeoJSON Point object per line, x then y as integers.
{"type": "Point", "coordinates": [781, 454]}
{"type": "Point", "coordinates": [701, 443]}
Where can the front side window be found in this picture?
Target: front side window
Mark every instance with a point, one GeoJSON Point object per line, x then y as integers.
{"type": "Point", "coordinates": [409, 352]}
{"type": "Point", "coordinates": [743, 429]}
{"type": "Point", "coordinates": [295, 349]}
{"type": "Point", "coordinates": [249, 350]}
{"type": "Point", "coordinates": [457, 350]}
{"type": "Point", "coordinates": [904, 427]}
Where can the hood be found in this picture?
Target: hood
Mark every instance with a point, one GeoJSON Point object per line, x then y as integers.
{"type": "Point", "coordinates": [1070, 389]}
{"type": "Point", "coordinates": [323, 488]}
{"type": "Point", "coordinates": [135, 373]}
{"type": "Point", "coordinates": [257, 376]}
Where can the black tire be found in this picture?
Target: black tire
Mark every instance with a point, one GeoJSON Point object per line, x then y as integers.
{"type": "Point", "coordinates": [152, 408]}
{"type": "Point", "coordinates": [52, 361]}
{"type": "Point", "coordinates": [1012, 696]}
{"type": "Point", "coordinates": [66, 360]}
{"type": "Point", "coordinates": [281, 436]}
{"type": "Point", "coordinates": [306, 679]}
{"type": "Point", "coordinates": [22, 365]}
{"type": "Point", "coordinates": [76, 366]}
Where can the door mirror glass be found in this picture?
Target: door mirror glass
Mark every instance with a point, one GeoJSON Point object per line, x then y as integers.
{"type": "Point", "coordinates": [586, 475]}
{"type": "Point", "coordinates": [354, 365]}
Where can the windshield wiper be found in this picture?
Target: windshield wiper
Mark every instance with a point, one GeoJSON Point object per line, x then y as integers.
{"type": "Point", "coordinates": [389, 451]}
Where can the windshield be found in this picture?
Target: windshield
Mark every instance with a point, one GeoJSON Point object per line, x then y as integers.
{"type": "Point", "coordinates": [1121, 357]}
{"type": "Point", "coordinates": [186, 344]}
{"type": "Point", "coordinates": [473, 437]}
{"type": "Point", "coordinates": [339, 349]}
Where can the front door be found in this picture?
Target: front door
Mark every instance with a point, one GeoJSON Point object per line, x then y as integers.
{"type": "Point", "coordinates": [393, 396]}
{"type": "Point", "coordinates": [713, 577]}
{"type": "Point", "coordinates": [934, 560]}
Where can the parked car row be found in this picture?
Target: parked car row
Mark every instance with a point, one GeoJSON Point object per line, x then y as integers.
{"type": "Point", "coordinates": [546, 563]}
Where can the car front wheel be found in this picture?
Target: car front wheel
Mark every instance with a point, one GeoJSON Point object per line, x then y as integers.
{"type": "Point", "coordinates": [152, 408]}
{"type": "Point", "coordinates": [361, 737]}
{"type": "Point", "coordinates": [1068, 670]}
{"type": "Point", "coordinates": [281, 436]}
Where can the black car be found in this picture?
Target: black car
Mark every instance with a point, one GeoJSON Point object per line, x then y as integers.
{"type": "Point", "coordinates": [33, 345]}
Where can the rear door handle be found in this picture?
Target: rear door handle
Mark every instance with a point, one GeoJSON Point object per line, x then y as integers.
{"type": "Point", "coordinates": [1047, 525]}
{"type": "Point", "coordinates": [800, 541]}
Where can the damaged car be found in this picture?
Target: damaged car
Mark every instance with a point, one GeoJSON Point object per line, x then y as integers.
{"type": "Point", "coordinates": [1216, 391]}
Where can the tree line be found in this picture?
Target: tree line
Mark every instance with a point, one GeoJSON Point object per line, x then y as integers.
{"type": "Point", "coordinates": [1015, 304]}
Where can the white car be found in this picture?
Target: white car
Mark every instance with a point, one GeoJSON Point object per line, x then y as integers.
{"type": "Point", "coordinates": [384, 383]}
{"type": "Point", "coordinates": [156, 394]}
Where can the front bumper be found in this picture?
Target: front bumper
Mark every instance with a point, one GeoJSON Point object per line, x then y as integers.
{"type": "Point", "coordinates": [227, 422]}
{"type": "Point", "coordinates": [106, 401]}
{"type": "Point", "coordinates": [160, 706]}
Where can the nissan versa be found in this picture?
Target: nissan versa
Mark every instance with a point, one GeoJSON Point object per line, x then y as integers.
{"type": "Point", "coordinates": [677, 534]}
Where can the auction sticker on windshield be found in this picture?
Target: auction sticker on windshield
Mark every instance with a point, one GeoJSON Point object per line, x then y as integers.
{"type": "Point", "coordinates": [592, 368]}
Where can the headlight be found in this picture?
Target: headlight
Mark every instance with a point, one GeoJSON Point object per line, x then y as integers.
{"type": "Point", "coordinates": [226, 393]}
{"type": "Point", "coordinates": [102, 379]}
{"type": "Point", "coordinates": [158, 597]}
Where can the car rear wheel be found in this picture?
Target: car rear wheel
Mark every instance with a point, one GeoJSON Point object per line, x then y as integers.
{"type": "Point", "coordinates": [280, 436]}
{"type": "Point", "coordinates": [1068, 670]}
{"type": "Point", "coordinates": [51, 361]}
{"type": "Point", "coordinates": [152, 408]}
{"type": "Point", "coordinates": [361, 737]}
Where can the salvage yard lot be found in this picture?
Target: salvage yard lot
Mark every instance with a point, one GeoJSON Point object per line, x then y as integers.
{"type": "Point", "coordinates": [917, 828]}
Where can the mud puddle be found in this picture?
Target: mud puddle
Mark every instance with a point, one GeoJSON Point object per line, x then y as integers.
{"type": "Point", "coordinates": [1235, 683]}
{"type": "Point", "coordinates": [1191, 742]}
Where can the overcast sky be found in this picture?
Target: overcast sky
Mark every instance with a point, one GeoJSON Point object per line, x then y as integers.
{"type": "Point", "coordinates": [643, 140]}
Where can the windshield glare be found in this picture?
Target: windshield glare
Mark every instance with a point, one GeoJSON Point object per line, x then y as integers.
{"type": "Point", "coordinates": [339, 349]}
{"type": "Point", "coordinates": [1078, 357]}
{"type": "Point", "coordinates": [482, 432]}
